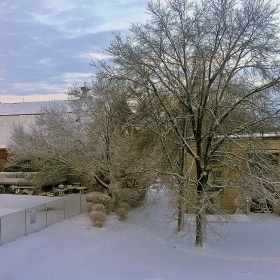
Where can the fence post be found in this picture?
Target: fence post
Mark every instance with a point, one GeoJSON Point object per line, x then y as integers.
{"type": "Point", "coordinates": [0, 232]}
{"type": "Point", "coordinates": [46, 209]}
{"type": "Point", "coordinates": [64, 208]}
{"type": "Point", "coordinates": [25, 229]}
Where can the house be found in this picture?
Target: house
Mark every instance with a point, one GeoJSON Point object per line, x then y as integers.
{"type": "Point", "coordinates": [238, 167]}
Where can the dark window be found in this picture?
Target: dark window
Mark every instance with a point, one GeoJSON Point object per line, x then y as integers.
{"type": "Point", "coordinates": [215, 180]}
{"type": "Point", "coordinates": [217, 177]}
{"type": "Point", "coordinates": [216, 158]}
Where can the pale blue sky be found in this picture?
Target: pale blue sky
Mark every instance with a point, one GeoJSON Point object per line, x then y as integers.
{"type": "Point", "coordinates": [47, 45]}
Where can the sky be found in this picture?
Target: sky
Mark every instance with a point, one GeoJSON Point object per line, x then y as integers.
{"type": "Point", "coordinates": [145, 247]}
{"type": "Point", "coordinates": [47, 45]}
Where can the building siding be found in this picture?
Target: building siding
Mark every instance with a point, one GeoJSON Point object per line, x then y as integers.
{"type": "Point", "coordinates": [238, 147]}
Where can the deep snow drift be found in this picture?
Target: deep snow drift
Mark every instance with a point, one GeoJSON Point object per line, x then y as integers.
{"type": "Point", "coordinates": [145, 247]}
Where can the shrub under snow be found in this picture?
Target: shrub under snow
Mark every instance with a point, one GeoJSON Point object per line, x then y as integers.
{"type": "Point", "coordinates": [99, 207]}
{"type": "Point", "coordinates": [89, 206]}
{"type": "Point", "coordinates": [100, 198]}
{"type": "Point", "coordinates": [123, 211]}
{"type": "Point", "coordinates": [97, 218]}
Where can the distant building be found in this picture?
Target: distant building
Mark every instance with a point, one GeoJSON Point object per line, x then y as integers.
{"type": "Point", "coordinates": [253, 152]}
{"type": "Point", "coordinates": [10, 114]}
{"type": "Point", "coordinates": [15, 113]}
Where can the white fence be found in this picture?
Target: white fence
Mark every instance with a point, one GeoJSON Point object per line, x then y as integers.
{"type": "Point", "coordinates": [21, 223]}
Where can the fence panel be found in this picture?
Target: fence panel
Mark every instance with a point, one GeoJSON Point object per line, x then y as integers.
{"type": "Point", "coordinates": [36, 218]}
{"type": "Point", "coordinates": [83, 203]}
{"type": "Point", "coordinates": [33, 219]}
{"type": "Point", "coordinates": [72, 206]}
{"type": "Point", "coordinates": [12, 226]}
{"type": "Point", "coordinates": [55, 213]}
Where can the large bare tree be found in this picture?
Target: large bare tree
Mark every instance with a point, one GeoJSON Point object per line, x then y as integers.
{"type": "Point", "coordinates": [207, 71]}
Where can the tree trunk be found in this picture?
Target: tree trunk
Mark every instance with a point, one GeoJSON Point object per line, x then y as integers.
{"type": "Point", "coordinates": [200, 212]}
{"type": "Point", "coordinates": [182, 186]}
{"type": "Point", "coordinates": [200, 226]}
{"type": "Point", "coordinates": [181, 208]}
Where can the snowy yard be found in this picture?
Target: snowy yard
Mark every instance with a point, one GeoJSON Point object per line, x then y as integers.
{"type": "Point", "coordinates": [144, 248]}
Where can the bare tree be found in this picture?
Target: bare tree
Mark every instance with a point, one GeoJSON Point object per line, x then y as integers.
{"type": "Point", "coordinates": [121, 147]}
{"type": "Point", "coordinates": [91, 137]}
{"type": "Point", "coordinates": [212, 70]}
{"type": "Point", "coordinates": [49, 146]}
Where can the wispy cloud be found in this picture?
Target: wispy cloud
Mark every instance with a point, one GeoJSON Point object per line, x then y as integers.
{"type": "Point", "coordinates": [76, 77]}
{"type": "Point", "coordinates": [35, 88]}
{"type": "Point", "coordinates": [11, 98]}
{"type": "Point", "coordinates": [88, 56]}
{"type": "Point", "coordinates": [45, 45]}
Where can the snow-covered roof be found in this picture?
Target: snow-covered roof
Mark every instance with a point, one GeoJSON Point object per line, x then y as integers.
{"type": "Point", "coordinates": [24, 108]}
{"type": "Point", "coordinates": [6, 126]}
{"type": "Point", "coordinates": [18, 113]}
{"type": "Point", "coordinates": [255, 135]}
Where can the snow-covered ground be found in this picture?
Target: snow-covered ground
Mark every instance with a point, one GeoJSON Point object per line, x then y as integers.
{"type": "Point", "coordinates": [144, 248]}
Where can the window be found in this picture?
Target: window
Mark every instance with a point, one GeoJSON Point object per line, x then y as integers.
{"type": "Point", "coordinates": [216, 158]}
{"type": "Point", "coordinates": [215, 180]}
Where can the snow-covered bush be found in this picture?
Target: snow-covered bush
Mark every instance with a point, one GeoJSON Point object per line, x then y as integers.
{"type": "Point", "coordinates": [123, 211]}
{"type": "Point", "coordinates": [133, 197]}
{"type": "Point", "coordinates": [97, 218]}
{"type": "Point", "coordinates": [89, 206]}
{"type": "Point", "coordinates": [99, 207]}
{"type": "Point", "coordinates": [100, 198]}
